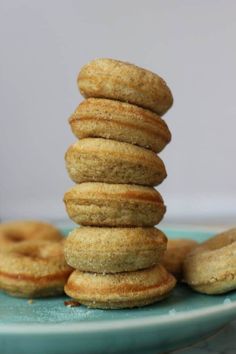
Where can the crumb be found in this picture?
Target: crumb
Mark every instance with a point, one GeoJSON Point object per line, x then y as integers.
{"type": "Point", "coordinates": [227, 301]}
{"type": "Point", "coordinates": [172, 312]}
{"type": "Point", "coordinates": [71, 303]}
{"type": "Point", "coordinates": [30, 301]}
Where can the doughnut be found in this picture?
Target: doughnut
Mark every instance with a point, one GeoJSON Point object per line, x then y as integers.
{"type": "Point", "coordinates": [103, 204]}
{"type": "Point", "coordinates": [120, 290]}
{"type": "Point", "coordinates": [15, 232]}
{"type": "Point", "coordinates": [174, 257]}
{"type": "Point", "coordinates": [35, 268]}
{"type": "Point", "coordinates": [110, 161]}
{"type": "Point", "coordinates": [211, 267]}
{"type": "Point", "coordinates": [117, 80]}
{"type": "Point", "coordinates": [102, 118]}
{"type": "Point", "coordinates": [113, 250]}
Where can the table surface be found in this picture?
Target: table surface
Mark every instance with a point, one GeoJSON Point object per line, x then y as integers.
{"type": "Point", "coordinates": [222, 342]}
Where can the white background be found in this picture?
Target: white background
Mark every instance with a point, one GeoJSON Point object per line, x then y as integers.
{"type": "Point", "coordinates": [190, 43]}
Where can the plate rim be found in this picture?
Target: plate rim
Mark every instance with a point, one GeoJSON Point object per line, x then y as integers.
{"type": "Point", "coordinates": [111, 325]}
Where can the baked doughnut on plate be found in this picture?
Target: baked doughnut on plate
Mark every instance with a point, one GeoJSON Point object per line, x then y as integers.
{"type": "Point", "coordinates": [117, 80]}
{"type": "Point", "coordinates": [211, 267]}
{"type": "Point", "coordinates": [14, 232]}
{"type": "Point", "coordinates": [103, 204]}
{"type": "Point", "coordinates": [34, 269]}
{"type": "Point", "coordinates": [102, 118]}
{"type": "Point", "coordinates": [177, 250]}
{"type": "Point", "coordinates": [112, 250]}
{"type": "Point", "coordinates": [110, 161]}
{"type": "Point", "coordinates": [120, 290]}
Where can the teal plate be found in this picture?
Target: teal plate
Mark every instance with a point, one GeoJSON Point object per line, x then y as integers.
{"type": "Point", "coordinates": [48, 326]}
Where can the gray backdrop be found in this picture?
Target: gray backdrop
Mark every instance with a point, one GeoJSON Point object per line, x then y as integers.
{"type": "Point", "coordinates": [43, 46]}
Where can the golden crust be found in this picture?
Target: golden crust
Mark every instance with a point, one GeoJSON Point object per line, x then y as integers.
{"type": "Point", "coordinates": [177, 251]}
{"type": "Point", "coordinates": [15, 232]}
{"type": "Point", "coordinates": [211, 267]}
{"type": "Point", "coordinates": [117, 80]}
{"type": "Point", "coordinates": [102, 118]}
{"type": "Point", "coordinates": [34, 269]}
{"type": "Point", "coordinates": [120, 290]}
{"type": "Point", "coordinates": [102, 204]}
{"type": "Point", "coordinates": [103, 160]}
{"type": "Point", "coordinates": [112, 250]}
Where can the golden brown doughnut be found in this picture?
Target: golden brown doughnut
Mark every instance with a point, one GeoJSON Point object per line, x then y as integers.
{"type": "Point", "coordinates": [103, 204]}
{"type": "Point", "coordinates": [120, 290]}
{"type": "Point", "coordinates": [112, 250]}
{"type": "Point", "coordinates": [102, 118]}
{"type": "Point", "coordinates": [211, 267]}
{"type": "Point", "coordinates": [14, 232]}
{"type": "Point", "coordinates": [34, 268]}
{"type": "Point", "coordinates": [110, 161]}
{"type": "Point", "coordinates": [176, 252]}
{"type": "Point", "coordinates": [117, 80]}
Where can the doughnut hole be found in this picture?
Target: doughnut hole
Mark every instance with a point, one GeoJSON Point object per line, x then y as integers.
{"type": "Point", "coordinates": [39, 250]}
{"type": "Point", "coordinates": [15, 237]}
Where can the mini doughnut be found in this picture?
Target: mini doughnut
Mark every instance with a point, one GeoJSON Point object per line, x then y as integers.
{"type": "Point", "coordinates": [102, 118]}
{"type": "Point", "coordinates": [211, 267]}
{"type": "Point", "coordinates": [117, 80]}
{"type": "Point", "coordinates": [113, 250]}
{"type": "Point", "coordinates": [15, 232]}
{"type": "Point", "coordinates": [176, 252]}
{"type": "Point", "coordinates": [110, 161]}
{"type": "Point", "coordinates": [120, 290]}
{"type": "Point", "coordinates": [103, 204]}
{"type": "Point", "coordinates": [34, 269]}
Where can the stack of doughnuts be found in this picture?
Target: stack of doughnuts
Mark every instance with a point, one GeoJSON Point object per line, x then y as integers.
{"type": "Point", "coordinates": [117, 252]}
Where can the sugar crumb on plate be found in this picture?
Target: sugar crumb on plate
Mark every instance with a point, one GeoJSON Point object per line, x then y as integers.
{"type": "Point", "coordinates": [71, 303]}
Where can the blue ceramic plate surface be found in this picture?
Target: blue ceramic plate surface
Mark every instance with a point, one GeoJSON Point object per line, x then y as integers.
{"type": "Point", "coordinates": [48, 326]}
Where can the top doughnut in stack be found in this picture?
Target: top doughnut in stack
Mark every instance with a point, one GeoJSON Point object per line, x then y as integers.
{"type": "Point", "coordinates": [117, 251]}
